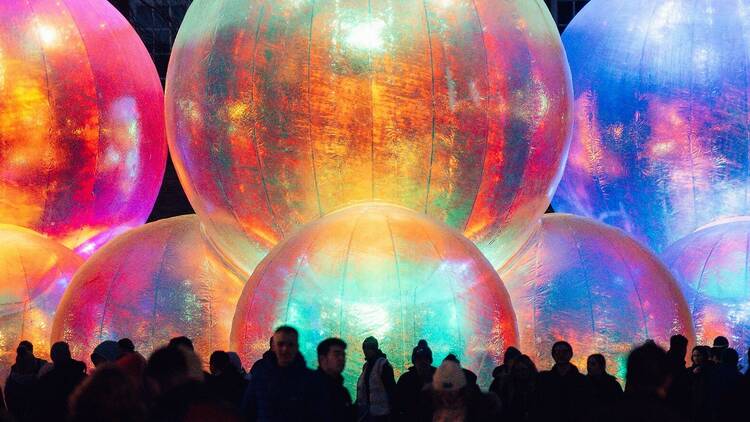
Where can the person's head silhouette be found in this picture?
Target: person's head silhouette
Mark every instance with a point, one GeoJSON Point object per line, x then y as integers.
{"type": "Point", "coordinates": [562, 352]}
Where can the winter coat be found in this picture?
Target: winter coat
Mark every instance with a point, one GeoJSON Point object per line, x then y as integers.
{"type": "Point", "coordinates": [337, 398]}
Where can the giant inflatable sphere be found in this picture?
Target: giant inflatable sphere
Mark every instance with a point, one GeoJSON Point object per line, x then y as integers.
{"type": "Point", "coordinates": [593, 286]}
{"type": "Point", "coordinates": [34, 272]}
{"type": "Point", "coordinates": [83, 148]}
{"type": "Point", "coordinates": [279, 112]}
{"type": "Point", "coordinates": [660, 144]}
{"type": "Point", "coordinates": [151, 284]}
{"type": "Point", "coordinates": [384, 271]}
{"type": "Point", "coordinates": [711, 266]}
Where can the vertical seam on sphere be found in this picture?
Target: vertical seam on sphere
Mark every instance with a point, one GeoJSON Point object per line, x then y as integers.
{"type": "Point", "coordinates": [301, 259]}
{"type": "Point", "coordinates": [703, 272]}
{"type": "Point", "coordinates": [275, 223]}
{"type": "Point", "coordinates": [691, 129]}
{"type": "Point", "coordinates": [309, 109]}
{"type": "Point", "coordinates": [486, 114]}
{"type": "Point", "coordinates": [372, 110]}
{"type": "Point", "coordinates": [398, 281]}
{"type": "Point", "coordinates": [635, 287]}
{"type": "Point", "coordinates": [157, 279]}
{"type": "Point", "coordinates": [584, 267]}
{"type": "Point", "coordinates": [49, 98]}
{"type": "Point", "coordinates": [432, 74]}
{"type": "Point", "coordinates": [345, 270]}
{"type": "Point", "coordinates": [740, 5]}
{"type": "Point", "coordinates": [27, 293]}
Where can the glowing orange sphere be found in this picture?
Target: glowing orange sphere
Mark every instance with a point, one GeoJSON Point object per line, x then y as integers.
{"type": "Point", "coordinates": [385, 271]}
{"type": "Point", "coordinates": [151, 284]}
{"type": "Point", "coordinates": [82, 140]}
{"type": "Point", "coordinates": [280, 112]}
{"type": "Point", "coordinates": [34, 272]}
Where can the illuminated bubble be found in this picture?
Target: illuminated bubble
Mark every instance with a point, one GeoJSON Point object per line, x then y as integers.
{"type": "Point", "coordinates": [81, 121]}
{"type": "Point", "coordinates": [593, 286]}
{"type": "Point", "coordinates": [281, 112]}
{"type": "Point", "coordinates": [384, 271]}
{"type": "Point", "coordinates": [34, 272]}
{"type": "Point", "coordinates": [660, 124]}
{"type": "Point", "coordinates": [151, 284]}
{"type": "Point", "coordinates": [711, 266]}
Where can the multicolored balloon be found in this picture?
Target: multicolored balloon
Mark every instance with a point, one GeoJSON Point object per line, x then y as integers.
{"type": "Point", "coordinates": [711, 266]}
{"type": "Point", "coordinates": [151, 284]}
{"type": "Point", "coordinates": [591, 285]}
{"type": "Point", "coordinates": [661, 115]}
{"type": "Point", "coordinates": [385, 271]}
{"type": "Point", "coordinates": [34, 272]}
{"type": "Point", "coordinates": [82, 149]}
{"type": "Point", "coordinates": [280, 112]}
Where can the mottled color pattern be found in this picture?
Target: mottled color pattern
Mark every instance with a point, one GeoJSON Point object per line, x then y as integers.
{"type": "Point", "coordinates": [34, 272]}
{"type": "Point", "coordinates": [82, 140]}
{"type": "Point", "coordinates": [661, 139]}
{"type": "Point", "coordinates": [281, 111]}
{"type": "Point", "coordinates": [151, 284]}
{"type": "Point", "coordinates": [593, 286]}
{"type": "Point", "coordinates": [711, 266]}
{"type": "Point", "coordinates": [384, 271]}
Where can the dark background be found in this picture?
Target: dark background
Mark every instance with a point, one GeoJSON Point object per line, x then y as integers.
{"type": "Point", "coordinates": [157, 22]}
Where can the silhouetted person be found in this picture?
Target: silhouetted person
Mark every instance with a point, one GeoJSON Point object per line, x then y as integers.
{"type": "Point", "coordinates": [107, 395]}
{"type": "Point", "coordinates": [268, 354]}
{"type": "Point", "coordinates": [281, 386]}
{"type": "Point", "coordinates": [453, 400]}
{"type": "Point", "coordinates": [730, 387]}
{"type": "Point", "coordinates": [20, 394]}
{"type": "Point", "coordinates": [471, 377]}
{"type": "Point", "coordinates": [181, 341]}
{"type": "Point", "coordinates": [126, 346]}
{"type": "Point", "coordinates": [701, 376]}
{"type": "Point", "coordinates": [56, 385]}
{"type": "Point", "coordinates": [562, 391]}
{"type": "Point", "coordinates": [234, 360]}
{"type": "Point", "coordinates": [604, 389]}
{"type": "Point", "coordinates": [225, 381]}
{"type": "Point", "coordinates": [174, 380]}
{"type": "Point", "coordinates": [645, 387]}
{"type": "Point", "coordinates": [105, 352]}
{"type": "Point", "coordinates": [412, 383]}
{"type": "Point", "coordinates": [376, 387]}
{"type": "Point", "coordinates": [721, 342]}
{"type": "Point", "coordinates": [500, 373]}
{"type": "Point", "coordinates": [517, 392]}
{"type": "Point", "coordinates": [678, 394]}
{"type": "Point", "coordinates": [331, 363]}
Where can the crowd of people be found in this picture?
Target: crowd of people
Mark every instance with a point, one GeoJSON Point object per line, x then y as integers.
{"type": "Point", "coordinates": [171, 385]}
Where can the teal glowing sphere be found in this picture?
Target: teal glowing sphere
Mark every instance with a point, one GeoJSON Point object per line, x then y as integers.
{"type": "Point", "coordinates": [384, 271]}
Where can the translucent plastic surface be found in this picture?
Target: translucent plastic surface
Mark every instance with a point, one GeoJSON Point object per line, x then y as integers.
{"type": "Point", "coordinates": [34, 272]}
{"type": "Point", "coordinates": [384, 271]}
{"type": "Point", "coordinates": [593, 286]}
{"type": "Point", "coordinates": [711, 266]}
{"type": "Point", "coordinates": [661, 123]}
{"type": "Point", "coordinates": [279, 112]}
{"type": "Point", "coordinates": [151, 284]}
{"type": "Point", "coordinates": [82, 141]}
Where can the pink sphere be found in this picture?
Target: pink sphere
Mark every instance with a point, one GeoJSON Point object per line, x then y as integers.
{"type": "Point", "coordinates": [34, 272]}
{"type": "Point", "coordinates": [380, 270]}
{"type": "Point", "coordinates": [590, 284]}
{"type": "Point", "coordinates": [81, 121]}
{"type": "Point", "coordinates": [151, 284]}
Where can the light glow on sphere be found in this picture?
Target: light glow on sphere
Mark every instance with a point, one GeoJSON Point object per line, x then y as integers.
{"type": "Point", "coordinates": [385, 271]}
{"type": "Point", "coordinates": [83, 144]}
{"type": "Point", "coordinates": [661, 115]}
{"type": "Point", "coordinates": [281, 112]}
{"type": "Point", "coordinates": [593, 286]}
{"type": "Point", "coordinates": [711, 266]}
{"type": "Point", "coordinates": [151, 284]}
{"type": "Point", "coordinates": [34, 272]}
